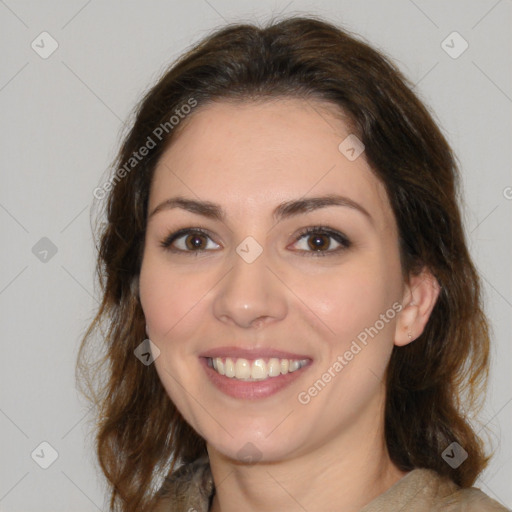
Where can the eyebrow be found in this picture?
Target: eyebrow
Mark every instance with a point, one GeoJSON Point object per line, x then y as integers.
{"type": "Point", "coordinates": [282, 211]}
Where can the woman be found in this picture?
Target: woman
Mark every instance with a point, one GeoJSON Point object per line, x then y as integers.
{"type": "Point", "coordinates": [283, 225]}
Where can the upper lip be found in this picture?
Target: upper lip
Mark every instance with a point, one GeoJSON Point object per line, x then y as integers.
{"type": "Point", "coordinates": [251, 353]}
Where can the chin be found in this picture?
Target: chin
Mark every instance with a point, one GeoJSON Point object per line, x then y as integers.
{"type": "Point", "coordinates": [250, 447]}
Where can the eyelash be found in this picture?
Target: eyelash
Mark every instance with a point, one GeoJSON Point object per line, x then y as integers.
{"type": "Point", "coordinates": [317, 230]}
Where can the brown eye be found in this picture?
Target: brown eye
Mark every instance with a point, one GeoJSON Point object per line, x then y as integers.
{"type": "Point", "coordinates": [194, 241]}
{"type": "Point", "coordinates": [188, 241]}
{"type": "Point", "coordinates": [320, 241]}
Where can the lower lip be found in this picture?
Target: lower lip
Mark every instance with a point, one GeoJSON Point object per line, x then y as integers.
{"type": "Point", "coordinates": [251, 390]}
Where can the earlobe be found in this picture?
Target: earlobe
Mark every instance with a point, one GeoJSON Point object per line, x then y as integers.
{"type": "Point", "coordinates": [420, 296]}
{"type": "Point", "coordinates": [405, 330]}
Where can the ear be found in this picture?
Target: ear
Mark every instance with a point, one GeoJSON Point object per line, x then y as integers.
{"type": "Point", "coordinates": [419, 298]}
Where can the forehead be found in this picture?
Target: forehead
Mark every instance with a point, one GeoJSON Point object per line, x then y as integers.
{"type": "Point", "coordinates": [254, 155]}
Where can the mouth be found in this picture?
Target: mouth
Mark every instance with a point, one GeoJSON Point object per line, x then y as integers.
{"type": "Point", "coordinates": [255, 370]}
{"type": "Point", "coordinates": [244, 374]}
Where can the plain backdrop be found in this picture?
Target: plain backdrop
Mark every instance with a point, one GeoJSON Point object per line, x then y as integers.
{"type": "Point", "coordinates": [61, 118]}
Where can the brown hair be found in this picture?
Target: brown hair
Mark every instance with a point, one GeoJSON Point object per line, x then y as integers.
{"type": "Point", "coordinates": [141, 435]}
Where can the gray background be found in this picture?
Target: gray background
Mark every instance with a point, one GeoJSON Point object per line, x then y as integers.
{"type": "Point", "coordinates": [61, 121]}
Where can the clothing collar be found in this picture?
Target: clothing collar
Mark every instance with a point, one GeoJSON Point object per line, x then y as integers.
{"type": "Point", "coordinates": [191, 487]}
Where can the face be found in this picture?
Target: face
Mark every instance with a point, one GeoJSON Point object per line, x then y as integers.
{"type": "Point", "coordinates": [292, 296]}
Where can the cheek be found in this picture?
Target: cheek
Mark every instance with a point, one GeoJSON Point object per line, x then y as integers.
{"type": "Point", "coordinates": [170, 303]}
{"type": "Point", "coordinates": [167, 295]}
{"type": "Point", "coordinates": [349, 299]}
{"type": "Point", "coordinates": [356, 305]}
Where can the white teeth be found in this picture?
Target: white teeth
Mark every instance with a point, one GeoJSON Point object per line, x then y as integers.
{"type": "Point", "coordinates": [229, 367]}
{"type": "Point", "coordinates": [242, 369]}
{"type": "Point", "coordinates": [274, 367]}
{"type": "Point", "coordinates": [294, 365]}
{"type": "Point", "coordinates": [258, 369]}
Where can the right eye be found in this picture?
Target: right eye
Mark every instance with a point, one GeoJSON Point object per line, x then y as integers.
{"type": "Point", "coordinates": [188, 240]}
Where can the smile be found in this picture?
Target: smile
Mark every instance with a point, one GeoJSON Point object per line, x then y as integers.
{"type": "Point", "coordinates": [254, 370]}
{"type": "Point", "coordinates": [253, 376]}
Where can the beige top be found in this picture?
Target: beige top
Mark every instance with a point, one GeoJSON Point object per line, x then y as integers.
{"type": "Point", "coordinates": [421, 490]}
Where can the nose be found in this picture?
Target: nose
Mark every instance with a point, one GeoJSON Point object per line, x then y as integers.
{"type": "Point", "coordinates": [250, 295]}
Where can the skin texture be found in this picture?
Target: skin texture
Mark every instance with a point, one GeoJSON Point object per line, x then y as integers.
{"type": "Point", "coordinates": [328, 454]}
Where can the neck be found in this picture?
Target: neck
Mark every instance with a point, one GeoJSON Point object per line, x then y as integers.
{"type": "Point", "coordinates": [349, 471]}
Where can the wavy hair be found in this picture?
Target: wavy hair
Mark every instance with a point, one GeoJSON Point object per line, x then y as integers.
{"type": "Point", "coordinates": [434, 385]}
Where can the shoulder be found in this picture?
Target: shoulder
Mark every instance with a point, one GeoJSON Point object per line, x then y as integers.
{"type": "Point", "coordinates": [471, 500]}
{"type": "Point", "coordinates": [424, 490]}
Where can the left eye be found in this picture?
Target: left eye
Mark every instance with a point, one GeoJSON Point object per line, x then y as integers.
{"type": "Point", "coordinates": [321, 241]}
